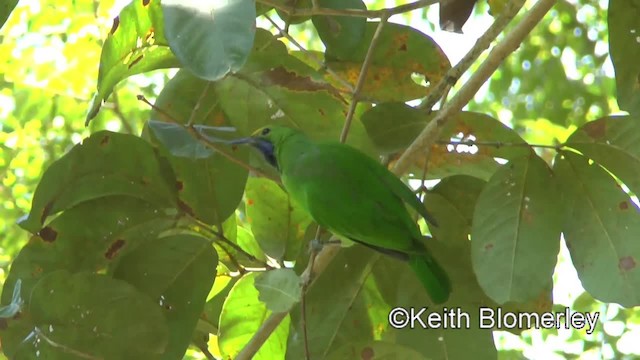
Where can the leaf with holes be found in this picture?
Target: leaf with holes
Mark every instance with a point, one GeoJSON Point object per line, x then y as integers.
{"type": "Point", "coordinates": [177, 271]}
{"type": "Point", "coordinates": [601, 227]}
{"type": "Point", "coordinates": [277, 224]}
{"type": "Point", "coordinates": [614, 143]}
{"type": "Point", "coordinates": [136, 43]}
{"type": "Point", "coordinates": [105, 164]}
{"type": "Point", "coordinates": [275, 87]}
{"type": "Point", "coordinates": [211, 38]}
{"type": "Point", "coordinates": [241, 316]}
{"type": "Point", "coordinates": [401, 54]}
{"type": "Point", "coordinates": [624, 41]}
{"type": "Point", "coordinates": [393, 126]}
{"type": "Point", "coordinates": [515, 237]}
{"type": "Point", "coordinates": [341, 34]}
{"type": "Point", "coordinates": [86, 316]}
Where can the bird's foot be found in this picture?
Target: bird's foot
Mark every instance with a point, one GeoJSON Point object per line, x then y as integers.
{"type": "Point", "coordinates": [317, 245]}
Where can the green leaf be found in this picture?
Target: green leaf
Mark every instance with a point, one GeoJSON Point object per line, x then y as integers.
{"type": "Point", "coordinates": [210, 186]}
{"type": "Point", "coordinates": [277, 224]}
{"type": "Point", "coordinates": [111, 227]}
{"type": "Point", "coordinates": [275, 87]}
{"type": "Point", "coordinates": [614, 143]}
{"type": "Point", "coordinates": [5, 10]}
{"type": "Point", "coordinates": [623, 44]}
{"type": "Point", "coordinates": [452, 203]}
{"type": "Point", "coordinates": [515, 238]}
{"type": "Point", "coordinates": [136, 44]}
{"type": "Point", "coordinates": [242, 314]}
{"type": "Point", "coordinates": [340, 34]}
{"type": "Point", "coordinates": [328, 302]}
{"type": "Point", "coordinates": [86, 314]}
{"type": "Point", "coordinates": [105, 164]}
{"type": "Point", "coordinates": [400, 287]}
{"type": "Point", "coordinates": [176, 271]}
{"type": "Point", "coordinates": [211, 38]}
{"type": "Point", "coordinates": [601, 227]}
{"type": "Point", "coordinates": [375, 350]}
{"type": "Point", "coordinates": [401, 53]}
{"type": "Point", "coordinates": [279, 289]}
{"type": "Point", "coordinates": [299, 5]}
{"type": "Point", "coordinates": [393, 127]}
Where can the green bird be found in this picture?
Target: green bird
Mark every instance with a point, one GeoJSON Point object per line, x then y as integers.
{"type": "Point", "coordinates": [353, 196]}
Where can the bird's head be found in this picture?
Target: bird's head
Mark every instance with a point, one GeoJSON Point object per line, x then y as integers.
{"type": "Point", "coordinates": [267, 139]}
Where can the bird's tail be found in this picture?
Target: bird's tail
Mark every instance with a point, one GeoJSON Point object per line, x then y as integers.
{"type": "Point", "coordinates": [432, 276]}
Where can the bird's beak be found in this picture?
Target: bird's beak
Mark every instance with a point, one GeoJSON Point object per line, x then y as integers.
{"type": "Point", "coordinates": [242, 141]}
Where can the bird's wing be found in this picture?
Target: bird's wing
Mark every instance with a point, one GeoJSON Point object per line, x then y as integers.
{"type": "Point", "coordinates": [403, 192]}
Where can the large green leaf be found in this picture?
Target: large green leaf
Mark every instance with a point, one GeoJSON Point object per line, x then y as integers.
{"type": "Point", "coordinates": [110, 227]}
{"type": "Point", "coordinates": [211, 38]}
{"type": "Point", "coordinates": [275, 87]}
{"type": "Point", "coordinates": [279, 289]}
{"type": "Point", "coordinates": [88, 314]}
{"type": "Point", "coordinates": [341, 34]}
{"type": "Point", "coordinates": [176, 271]}
{"type": "Point", "coordinates": [329, 301]}
{"type": "Point", "coordinates": [401, 53]}
{"type": "Point", "coordinates": [623, 19]}
{"type": "Point", "coordinates": [242, 314]}
{"type": "Point", "coordinates": [277, 224]}
{"type": "Point", "coordinates": [601, 227]}
{"type": "Point", "coordinates": [393, 126]}
{"type": "Point", "coordinates": [515, 238]}
{"type": "Point", "coordinates": [210, 186]}
{"type": "Point", "coordinates": [136, 44]}
{"type": "Point", "coordinates": [614, 143]}
{"type": "Point", "coordinates": [105, 164]}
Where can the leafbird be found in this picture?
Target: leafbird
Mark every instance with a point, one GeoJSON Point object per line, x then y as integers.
{"type": "Point", "coordinates": [353, 196]}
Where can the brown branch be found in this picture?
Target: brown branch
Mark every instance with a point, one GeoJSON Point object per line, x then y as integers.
{"type": "Point", "coordinates": [361, 78]}
{"type": "Point", "coordinates": [509, 44]}
{"type": "Point", "coordinates": [371, 14]}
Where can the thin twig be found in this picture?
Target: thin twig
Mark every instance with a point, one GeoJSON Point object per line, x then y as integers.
{"type": "Point", "coordinates": [498, 144]}
{"type": "Point", "coordinates": [482, 44]}
{"type": "Point", "coordinates": [311, 55]}
{"type": "Point", "coordinates": [196, 107]}
{"type": "Point", "coordinates": [361, 78]}
{"type": "Point", "coordinates": [509, 44]}
{"type": "Point", "coordinates": [210, 144]}
{"type": "Point", "coordinates": [119, 114]}
{"type": "Point", "coordinates": [371, 14]}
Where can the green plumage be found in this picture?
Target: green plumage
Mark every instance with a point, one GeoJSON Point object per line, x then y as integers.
{"type": "Point", "coordinates": [354, 196]}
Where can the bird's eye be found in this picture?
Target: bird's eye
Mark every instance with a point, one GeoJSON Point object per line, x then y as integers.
{"type": "Point", "coordinates": [265, 131]}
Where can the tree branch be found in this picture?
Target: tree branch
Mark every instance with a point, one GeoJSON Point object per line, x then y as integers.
{"type": "Point", "coordinates": [371, 14]}
{"type": "Point", "coordinates": [509, 44]}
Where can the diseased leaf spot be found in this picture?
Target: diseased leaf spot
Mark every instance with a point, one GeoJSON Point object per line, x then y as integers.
{"type": "Point", "coordinates": [48, 234]}
{"type": "Point", "coordinates": [403, 47]}
{"type": "Point", "coordinates": [321, 112]}
{"type": "Point", "coordinates": [290, 80]}
{"type": "Point", "coordinates": [137, 60]}
{"type": "Point", "coordinates": [105, 140]}
{"type": "Point", "coordinates": [623, 205]}
{"type": "Point", "coordinates": [596, 129]}
{"type": "Point", "coordinates": [37, 271]}
{"type": "Point", "coordinates": [179, 185]}
{"type": "Point", "coordinates": [250, 202]}
{"type": "Point", "coordinates": [626, 263]}
{"type": "Point", "coordinates": [367, 353]}
{"type": "Point", "coordinates": [145, 2]}
{"type": "Point", "coordinates": [488, 247]}
{"type": "Point", "coordinates": [113, 250]}
{"type": "Point", "coordinates": [116, 23]}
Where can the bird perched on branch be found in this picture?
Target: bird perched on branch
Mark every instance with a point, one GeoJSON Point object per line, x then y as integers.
{"type": "Point", "coordinates": [353, 196]}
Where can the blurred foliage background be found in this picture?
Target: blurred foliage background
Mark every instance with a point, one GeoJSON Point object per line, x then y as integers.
{"type": "Point", "coordinates": [49, 55]}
